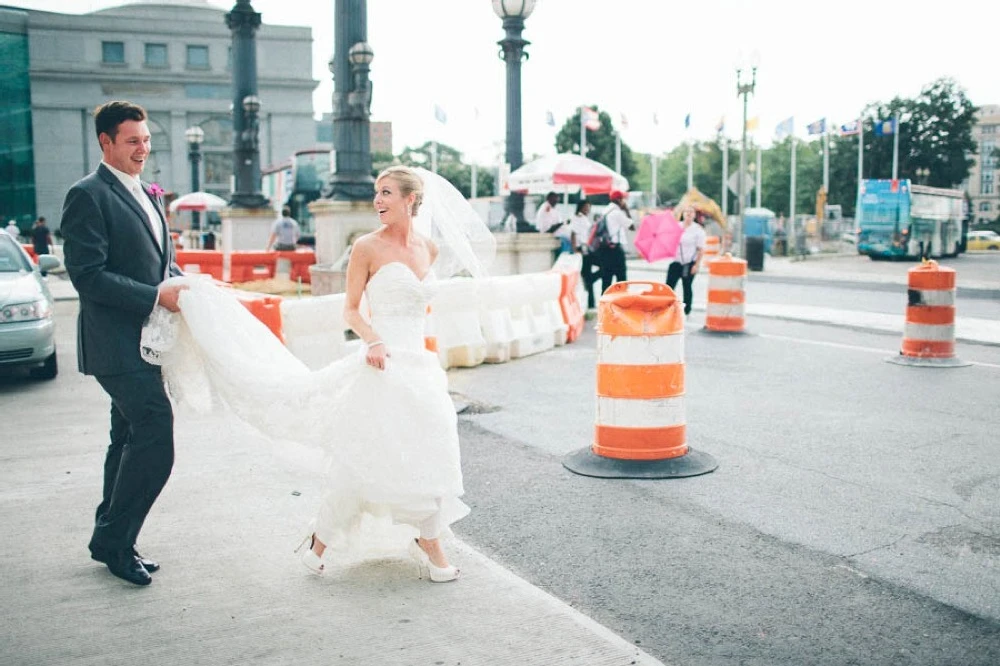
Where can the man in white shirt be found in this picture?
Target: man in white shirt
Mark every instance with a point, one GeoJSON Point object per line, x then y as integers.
{"type": "Point", "coordinates": [612, 256]}
{"type": "Point", "coordinates": [284, 232]}
{"type": "Point", "coordinates": [547, 215]}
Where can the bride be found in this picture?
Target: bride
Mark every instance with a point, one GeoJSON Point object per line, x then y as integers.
{"type": "Point", "coordinates": [386, 420]}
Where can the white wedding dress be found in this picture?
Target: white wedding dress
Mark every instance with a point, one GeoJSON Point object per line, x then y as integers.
{"type": "Point", "coordinates": [391, 435]}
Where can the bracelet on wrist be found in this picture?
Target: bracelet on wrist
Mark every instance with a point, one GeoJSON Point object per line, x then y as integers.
{"type": "Point", "coordinates": [374, 343]}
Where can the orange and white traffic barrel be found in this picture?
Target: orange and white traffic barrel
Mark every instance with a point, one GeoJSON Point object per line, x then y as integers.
{"type": "Point", "coordinates": [640, 429]}
{"type": "Point", "coordinates": [725, 312]}
{"type": "Point", "coordinates": [712, 245]}
{"type": "Point", "coordinates": [929, 331]}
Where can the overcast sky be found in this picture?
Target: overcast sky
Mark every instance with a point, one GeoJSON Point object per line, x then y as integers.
{"type": "Point", "coordinates": [643, 57]}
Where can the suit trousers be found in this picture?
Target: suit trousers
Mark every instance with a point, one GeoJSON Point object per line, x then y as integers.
{"type": "Point", "coordinates": [139, 458]}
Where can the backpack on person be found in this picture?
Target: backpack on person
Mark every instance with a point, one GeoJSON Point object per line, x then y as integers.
{"type": "Point", "coordinates": [600, 235]}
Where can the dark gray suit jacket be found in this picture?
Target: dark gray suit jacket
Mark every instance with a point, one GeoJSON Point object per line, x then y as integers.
{"type": "Point", "coordinates": [115, 265]}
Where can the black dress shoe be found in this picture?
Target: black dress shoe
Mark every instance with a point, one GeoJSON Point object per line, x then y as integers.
{"type": "Point", "coordinates": [127, 566]}
{"type": "Point", "coordinates": [151, 566]}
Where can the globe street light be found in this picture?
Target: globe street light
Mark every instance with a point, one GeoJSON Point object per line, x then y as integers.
{"type": "Point", "coordinates": [922, 174]}
{"type": "Point", "coordinates": [744, 89]}
{"type": "Point", "coordinates": [194, 135]}
{"type": "Point", "coordinates": [513, 13]}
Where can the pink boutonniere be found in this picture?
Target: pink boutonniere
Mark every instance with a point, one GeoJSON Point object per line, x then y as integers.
{"type": "Point", "coordinates": [155, 190]}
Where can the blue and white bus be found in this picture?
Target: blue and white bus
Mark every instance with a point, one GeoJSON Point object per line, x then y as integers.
{"type": "Point", "coordinates": [897, 219]}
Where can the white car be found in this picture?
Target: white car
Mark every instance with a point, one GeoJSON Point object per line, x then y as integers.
{"type": "Point", "coordinates": [27, 331]}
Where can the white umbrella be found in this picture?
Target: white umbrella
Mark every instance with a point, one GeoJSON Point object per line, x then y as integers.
{"type": "Point", "coordinates": [198, 201]}
{"type": "Point", "coordinates": [566, 173]}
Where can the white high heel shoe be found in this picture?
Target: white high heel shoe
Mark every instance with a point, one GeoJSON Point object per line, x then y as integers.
{"type": "Point", "coordinates": [310, 560]}
{"type": "Point", "coordinates": [435, 573]}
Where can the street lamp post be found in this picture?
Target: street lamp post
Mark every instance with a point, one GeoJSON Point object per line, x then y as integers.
{"type": "Point", "coordinates": [243, 23]}
{"type": "Point", "coordinates": [922, 174]}
{"type": "Point", "coordinates": [744, 89]}
{"type": "Point", "coordinates": [351, 176]}
{"type": "Point", "coordinates": [194, 135]}
{"type": "Point", "coordinates": [513, 13]}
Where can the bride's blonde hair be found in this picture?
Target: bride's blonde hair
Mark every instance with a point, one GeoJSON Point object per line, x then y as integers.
{"type": "Point", "coordinates": [408, 181]}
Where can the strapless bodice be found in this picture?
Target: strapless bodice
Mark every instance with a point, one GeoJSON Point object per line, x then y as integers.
{"type": "Point", "coordinates": [398, 300]}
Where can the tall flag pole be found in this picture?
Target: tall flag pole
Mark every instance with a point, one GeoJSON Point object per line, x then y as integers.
{"type": "Point", "coordinates": [787, 129]}
{"type": "Point", "coordinates": [895, 147]}
{"type": "Point", "coordinates": [861, 166]}
{"type": "Point", "coordinates": [826, 159]}
{"type": "Point", "coordinates": [583, 133]}
{"type": "Point", "coordinates": [652, 157]}
{"type": "Point", "coordinates": [720, 128]}
{"type": "Point", "coordinates": [687, 129]}
{"type": "Point", "coordinates": [759, 175]}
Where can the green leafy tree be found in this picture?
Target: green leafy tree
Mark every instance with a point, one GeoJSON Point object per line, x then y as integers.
{"type": "Point", "coordinates": [450, 167]}
{"type": "Point", "coordinates": [600, 144]}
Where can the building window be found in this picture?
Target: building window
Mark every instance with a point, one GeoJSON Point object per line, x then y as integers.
{"type": "Point", "coordinates": [156, 55]}
{"type": "Point", "coordinates": [229, 59]}
{"type": "Point", "coordinates": [988, 129]}
{"type": "Point", "coordinates": [986, 188]}
{"type": "Point", "coordinates": [197, 57]}
{"type": "Point", "coordinates": [984, 206]}
{"type": "Point", "coordinates": [113, 53]}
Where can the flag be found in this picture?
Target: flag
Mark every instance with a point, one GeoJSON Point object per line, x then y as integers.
{"type": "Point", "coordinates": [818, 127]}
{"type": "Point", "coordinates": [687, 121]}
{"type": "Point", "coordinates": [885, 127]}
{"type": "Point", "coordinates": [590, 119]}
{"type": "Point", "coordinates": [440, 115]}
{"type": "Point", "coordinates": [624, 122]}
{"type": "Point", "coordinates": [785, 128]}
{"type": "Point", "coordinates": [752, 124]}
{"type": "Point", "coordinates": [853, 127]}
{"type": "Point", "coordinates": [550, 119]}
{"type": "Point", "coordinates": [720, 128]}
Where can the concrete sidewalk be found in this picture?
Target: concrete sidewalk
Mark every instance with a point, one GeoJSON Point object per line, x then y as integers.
{"type": "Point", "coordinates": [231, 591]}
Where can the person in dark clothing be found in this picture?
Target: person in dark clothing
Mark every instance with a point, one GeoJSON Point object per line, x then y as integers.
{"type": "Point", "coordinates": [41, 238]}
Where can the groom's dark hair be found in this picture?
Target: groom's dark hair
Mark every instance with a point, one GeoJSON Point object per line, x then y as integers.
{"type": "Point", "coordinates": [108, 116]}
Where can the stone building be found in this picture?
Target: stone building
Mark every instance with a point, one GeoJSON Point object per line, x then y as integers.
{"type": "Point", "coordinates": [982, 184]}
{"type": "Point", "coordinates": [173, 58]}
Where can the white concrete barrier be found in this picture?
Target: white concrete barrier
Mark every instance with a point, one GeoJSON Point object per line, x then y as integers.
{"type": "Point", "coordinates": [456, 323]}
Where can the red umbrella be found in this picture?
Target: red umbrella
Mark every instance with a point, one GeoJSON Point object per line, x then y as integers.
{"type": "Point", "coordinates": [659, 235]}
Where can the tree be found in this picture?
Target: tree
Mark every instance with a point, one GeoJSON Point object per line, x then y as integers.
{"type": "Point", "coordinates": [935, 133]}
{"type": "Point", "coordinates": [450, 167]}
{"type": "Point", "coordinates": [600, 143]}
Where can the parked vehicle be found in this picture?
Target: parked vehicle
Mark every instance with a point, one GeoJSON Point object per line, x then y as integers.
{"type": "Point", "coordinates": [27, 331]}
{"type": "Point", "coordinates": [984, 240]}
{"type": "Point", "coordinates": [759, 222]}
{"type": "Point", "coordinates": [897, 219]}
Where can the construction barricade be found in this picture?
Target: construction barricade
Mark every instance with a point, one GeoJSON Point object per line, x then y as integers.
{"type": "Point", "coordinates": [726, 295]}
{"type": "Point", "coordinates": [495, 322]}
{"type": "Point", "coordinates": [640, 430]}
{"type": "Point", "coordinates": [251, 266]}
{"type": "Point", "coordinates": [545, 291]}
{"type": "Point", "coordinates": [455, 324]}
{"type": "Point", "coordinates": [295, 264]}
{"type": "Point", "coordinates": [929, 331]}
{"type": "Point", "coordinates": [712, 244]}
{"type": "Point", "coordinates": [208, 262]}
{"type": "Point", "coordinates": [265, 308]}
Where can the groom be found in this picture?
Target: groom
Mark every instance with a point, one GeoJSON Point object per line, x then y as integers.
{"type": "Point", "coordinates": [117, 252]}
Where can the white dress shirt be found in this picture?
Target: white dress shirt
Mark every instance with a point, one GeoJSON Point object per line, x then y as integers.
{"type": "Point", "coordinates": [546, 216]}
{"type": "Point", "coordinates": [692, 240]}
{"type": "Point", "coordinates": [580, 225]}
{"type": "Point", "coordinates": [134, 185]}
{"type": "Point", "coordinates": [618, 224]}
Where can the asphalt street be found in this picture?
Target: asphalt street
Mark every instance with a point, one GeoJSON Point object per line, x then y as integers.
{"type": "Point", "coordinates": [852, 519]}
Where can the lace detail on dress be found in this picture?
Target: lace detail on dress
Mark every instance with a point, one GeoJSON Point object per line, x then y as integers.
{"type": "Point", "coordinates": [391, 435]}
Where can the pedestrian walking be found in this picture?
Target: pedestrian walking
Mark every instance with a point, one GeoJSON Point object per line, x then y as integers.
{"type": "Point", "coordinates": [688, 259]}
{"type": "Point", "coordinates": [12, 229]}
{"type": "Point", "coordinates": [611, 255]}
{"type": "Point", "coordinates": [284, 232]}
{"type": "Point", "coordinates": [579, 228]}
